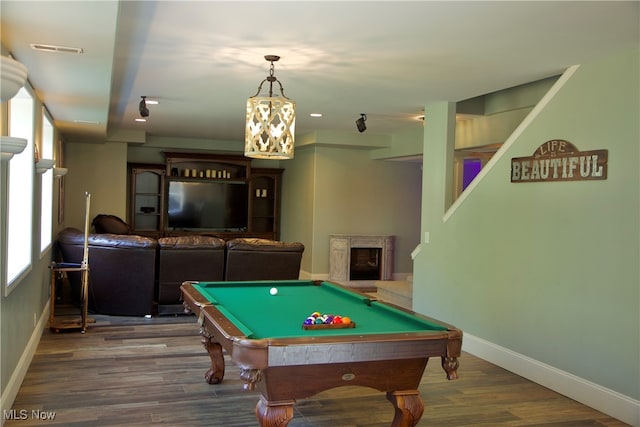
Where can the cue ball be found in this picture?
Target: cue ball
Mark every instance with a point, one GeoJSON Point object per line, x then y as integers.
{"type": "Point", "coordinates": [274, 291]}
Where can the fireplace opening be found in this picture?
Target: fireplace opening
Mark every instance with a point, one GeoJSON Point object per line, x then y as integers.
{"type": "Point", "coordinates": [365, 264]}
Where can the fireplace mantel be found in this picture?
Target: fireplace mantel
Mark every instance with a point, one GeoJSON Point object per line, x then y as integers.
{"type": "Point", "coordinates": [340, 250]}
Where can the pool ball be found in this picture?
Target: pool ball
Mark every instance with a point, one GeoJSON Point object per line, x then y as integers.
{"type": "Point", "coordinates": [273, 291]}
{"type": "Point", "coordinates": [346, 320]}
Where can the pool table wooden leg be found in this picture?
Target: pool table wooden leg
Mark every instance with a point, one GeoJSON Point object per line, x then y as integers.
{"type": "Point", "coordinates": [215, 374]}
{"type": "Point", "coordinates": [450, 366]}
{"type": "Point", "coordinates": [274, 414]}
{"type": "Point", "coordinates": [409, 407]}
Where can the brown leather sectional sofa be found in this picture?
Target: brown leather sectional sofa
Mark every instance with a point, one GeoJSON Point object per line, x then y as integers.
{"type": "Point", "coordinates": [132, 275]}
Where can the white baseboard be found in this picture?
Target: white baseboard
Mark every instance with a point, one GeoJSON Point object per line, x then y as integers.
{"type": "Point", "coordinates": [402, 277]}
{"type": "Point", "coordinates": [13, 386]}
{"type": "Point", "coordinates": [305, 275]}
{"type": "Point", "coordinates": [593, 395]}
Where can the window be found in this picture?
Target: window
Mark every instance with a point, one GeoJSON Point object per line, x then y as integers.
{"type": "Point", "coordinates": [470, 168]}
{"type": "Point", "coordinates": [468, 163]}
{"type": "Point", "coordinates": [46, 202]}
{"type": "Point", "coordinates": [20, 188]}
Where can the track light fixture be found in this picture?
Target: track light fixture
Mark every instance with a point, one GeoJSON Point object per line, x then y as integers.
{"type": "Point", "coordinates": [360, 123]}
{"type": "Point", "coordinates": [144, 111]}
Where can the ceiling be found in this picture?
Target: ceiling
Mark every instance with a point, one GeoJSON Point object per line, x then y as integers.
{"type": "Point", "coordinates": [202, 59]}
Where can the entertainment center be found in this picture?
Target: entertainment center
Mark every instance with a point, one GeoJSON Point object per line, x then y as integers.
{"type": "Point", "coordinates": [208, 194]}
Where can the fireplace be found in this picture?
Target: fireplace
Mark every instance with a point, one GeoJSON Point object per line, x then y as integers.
{"type": "Point", "coordinates": [360, 260]}
{"type": "Point", "coordinates": [365, 264]}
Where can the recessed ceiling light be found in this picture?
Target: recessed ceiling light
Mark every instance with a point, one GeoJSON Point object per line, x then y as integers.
{"type": "Point", "coordinates": [151, 102]}
{"type": "Point", "coordinates": [141, 120]}
{"type": "Point", "coordinates": [316, 114]}
{"type": "Point", "coordinates": [54, 48]}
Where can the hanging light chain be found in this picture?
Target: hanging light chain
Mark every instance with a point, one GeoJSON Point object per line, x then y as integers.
{"type": "Point", "coordinates": [271, 78]}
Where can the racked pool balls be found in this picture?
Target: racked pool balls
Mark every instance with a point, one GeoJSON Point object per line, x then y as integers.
{"type": "Point", "coordinates": [317, 318]}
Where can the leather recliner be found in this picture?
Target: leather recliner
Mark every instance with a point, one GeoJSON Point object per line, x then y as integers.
{"type": "Point", "coordinates": [121, 271]}
{"type": "Point", "coordinates": [262, 259]}
{"type": "Point", "coordinates": [185, 258]}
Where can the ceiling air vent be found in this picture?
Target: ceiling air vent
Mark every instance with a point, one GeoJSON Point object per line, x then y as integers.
{"type": "Point", "coordinates": [52, 48]}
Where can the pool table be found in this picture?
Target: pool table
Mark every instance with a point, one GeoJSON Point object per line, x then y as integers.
{"type": "Point", "coordinates": [386, 347]}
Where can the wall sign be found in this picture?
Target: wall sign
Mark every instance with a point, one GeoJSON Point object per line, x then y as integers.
{"type": "Point", "coordinates": [560, 160]}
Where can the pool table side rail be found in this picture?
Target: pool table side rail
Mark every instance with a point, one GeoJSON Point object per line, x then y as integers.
{"type": "Point", "coordinates": [224, 330]}
{"type": "Point", "coordinates": [454, 335]}
{"type": "Point", "coordinates": [191, 297]}
{"type": "Point", "coordinates": [350, 352]}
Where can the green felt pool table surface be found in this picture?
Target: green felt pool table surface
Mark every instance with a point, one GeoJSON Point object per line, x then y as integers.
{"type": "Point", "coordinates": [251, 307]}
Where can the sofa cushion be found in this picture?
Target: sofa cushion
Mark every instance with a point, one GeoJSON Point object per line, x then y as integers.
{"type": "Point", "coordinates": [73, 236]}
{"type": "Point", "coordinates": [255, 244]}
{"type": "Point", "coordinates": [121, 271]}
{"type": "Point", "coordinates": [191, 242]}
{"type": "Point", "coordinates": [183, 258]}
{"type": "Point", "coordinates": [110, 224]}
{"type": "Point", "coordinates": [261, 259]}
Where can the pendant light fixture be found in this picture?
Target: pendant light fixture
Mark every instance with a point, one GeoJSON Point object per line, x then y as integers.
{"type": "Point", "coordinates": [270, 122]}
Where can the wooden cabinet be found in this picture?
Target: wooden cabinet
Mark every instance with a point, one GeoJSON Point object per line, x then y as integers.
{"type": "Point", "coordinates": [146, 206]}
{"type": "Point", "coordinates": [264, 206]}
{"type": "Point", "coordinates": [198, 166]}
{"type": "Point", "coordinates": [207, 194]}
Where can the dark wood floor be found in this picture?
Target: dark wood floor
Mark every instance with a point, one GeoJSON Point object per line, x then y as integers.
{"type": "Point", "coordinates": [142, 372]}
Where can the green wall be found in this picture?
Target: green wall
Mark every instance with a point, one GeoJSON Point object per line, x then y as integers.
{"type": "Point", "coordinates": [358, 195]}
{"type": "Point", "coordinates": [547, 270]}
{"type": "Point", "coordinates": [297, 204]}
{"type": "Point", "coordinates": [330, 189]}
{"type": "Point", "coordinates": [100, 169]}
{"type": "Point", "coordinates": [22, 311]}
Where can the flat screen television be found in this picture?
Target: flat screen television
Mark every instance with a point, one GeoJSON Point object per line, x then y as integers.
{"type": "Point", "coordinates": [212, 205]}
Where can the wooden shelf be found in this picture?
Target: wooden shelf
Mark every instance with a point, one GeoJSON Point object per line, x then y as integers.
{"type": "Point", "coordinates": [149, 188]}
{"type": "Point", "coordinates": [264, 206]}
{"type": "Point", "coordinates": [146, 190]}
